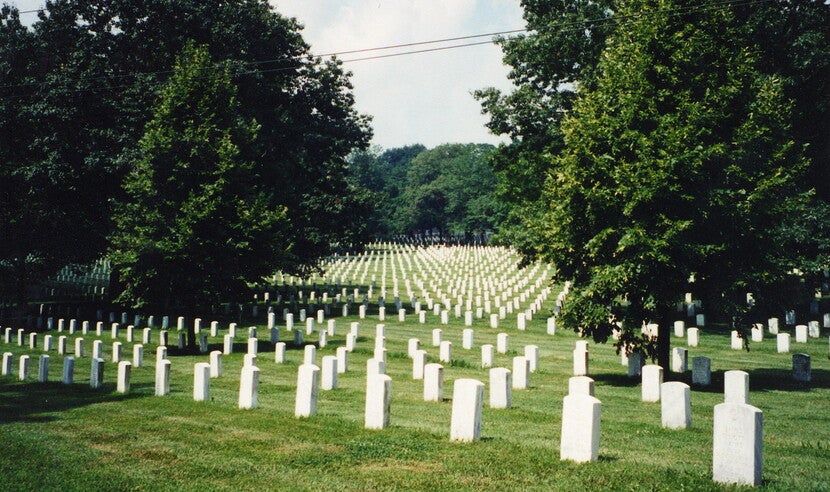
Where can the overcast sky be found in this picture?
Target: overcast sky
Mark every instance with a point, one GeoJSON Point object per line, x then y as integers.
{"type": "Point", "coordinates": [420, 98]}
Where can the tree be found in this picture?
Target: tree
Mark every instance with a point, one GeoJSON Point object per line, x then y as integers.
{"type": "Point", "coordinates": [449, 189]}
{"type": "Point", "coordinates": [558, 55]}
{"type": "Point", "coordinates": [678, 162]}
{"type": "Point", "coordinates": [94, 70]}
{"type": "Point", "coordinates": [197, 222]}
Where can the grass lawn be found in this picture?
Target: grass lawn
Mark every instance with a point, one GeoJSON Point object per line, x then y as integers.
{"type": "Point", "coordinates": [70, 437]}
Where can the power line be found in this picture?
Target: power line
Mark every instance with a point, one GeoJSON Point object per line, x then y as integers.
{"type": "Point", "coordinates": [561, 27]}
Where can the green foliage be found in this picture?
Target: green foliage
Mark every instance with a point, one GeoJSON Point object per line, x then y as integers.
{"type": "Point", "coordinates": [449, 188]}
{"type": "Point", "coordinates": [678, 162]}
{"type": "Point", "coordinates": [80, 89]}
{"type": "Point", "coordinates": [197, 221]}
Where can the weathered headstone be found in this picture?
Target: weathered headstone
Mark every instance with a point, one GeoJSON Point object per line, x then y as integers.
{"type": "Point", "coordinates": [68, 376]}
{"type": "Point", "coordinates": [43, 369]}
{"type": "Point", "coordinates": [801, 368]}
{"type": "Point", "coordinates": [701, 371]}
{"type": "Point", "coordinates": [679, 359]}
{"type": "Point", "coordinates": [737, 448]}
{"type": "Point", "coordinates": [162, 386]}
{"type": "Point", "coordinates": [96, 373]}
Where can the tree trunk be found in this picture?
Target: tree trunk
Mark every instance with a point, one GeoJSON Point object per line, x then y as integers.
{"type": "Point", "coordinates": [666, 324]}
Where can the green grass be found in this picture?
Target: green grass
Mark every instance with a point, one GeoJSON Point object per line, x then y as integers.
{"type": "Point", "coordinates": [58, 437]}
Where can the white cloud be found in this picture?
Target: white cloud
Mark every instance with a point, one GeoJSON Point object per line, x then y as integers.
{"type": "Point", "coordinates": [421, 98]}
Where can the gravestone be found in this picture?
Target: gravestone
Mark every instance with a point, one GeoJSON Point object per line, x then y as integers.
{"type": "Point", "coordinates": [467, 401]}
{"type": "Point", "coordinates": [23, 368]}
{"type": "Point", "coordinates": [467, 338]}
{"type": "Point", "coordinates": [782, 342]}
{"type": "Point", "coordinates": [521, 372]}
{"type": "Point", "coordinates": [675, 404]}
{"type": "Point", "coordinates": [813, 329]}
{"type": "Point", "coordinates": [433, 382]}
{"type": "Point", "coordinates": [162, 386]}
{"type": "Point", "coordinates": [551, 326]}
{"type": "Point", "coordinates": [249, 387]}
{"type": "Point", "coordinates": [68, 376]}
{"type": "Point", "coordinates": [216, 364]}
{"type": "Point", "coordinates": [801, 368]}
{"type": "Point", "coordinates": [580, 385]}
{"type": "Point", "coordinates": [737, 342]}
{"type": "Point", "coordinates": [580, 358]}
{"type": "Point", "coordinates": [378, 401]}
{"type": "Point", "coordinates": [124, 370]}
{"type": "Point", "coordinates": [757, 333]}
{"type": "Point", "coordinates": [116, 352]}
{"type": "Point", "coordinates": [487, 355]}
{"type": "Point", "coordinates": [342, 360]}
{"type": "Point", "coordinates": [635, 364]}
{"type": "Point", "coordinates": [736, 387]}
{"type": "Point", "coordinates": [801, 334]}
{"type": "Point", "coordinates": [679, 359]}
{"type": "Point", "coordinates": [8, 360]}
{"type": "Point", "coordinates": [579, 440]}
{"type": "Point", "coordinates": [310, 354]}
{"type": "Point", "coordinates": [445, 351]}
{"type": "Point", "coordinates": [279, 353]}
{"type": "Point", "coordinates": [329, 373]}
{"type": "Point", "coordinates": [737, 448]}
{"type": "Point", "coordinates": [701, 371]}
{"type": "Point", "coordinates": [679, 329]}
{"type": "Point", "coordinates": [227, 345]}
{"type": "Point", "coordinates": [500, 387]}
{"type": "Point", "coordinates": [43, 369]}
{"type": "Point", "coordinates": [532, 356]}
{"type": "Point", "coordinates": [201, 381]}
{"type": "Point", "coordinates": [307, 389]}
{"type": "Point", "coordinates": [96, 373]}
{"type": "Point", "coordinates": [502, 343]}
{"type": "Point", "coordinates": [413, 345]}
{"type": "Point", "coordinates": [436, 337]}
{"type": "Point", "coordinates": [651, 381]}
{"type": "Point", "coordinates": [138, 355]}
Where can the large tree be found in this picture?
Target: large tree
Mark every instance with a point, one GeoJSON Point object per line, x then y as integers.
{"type": "Point", "coordinates": [678, 162]}
{"type": "Point", "coordinates": [197, 222]}
{"type": "Point", "coordinates": [92, 73]}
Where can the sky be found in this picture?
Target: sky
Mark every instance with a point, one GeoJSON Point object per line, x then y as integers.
{"type": "Point", "coordinates": [420, 98]}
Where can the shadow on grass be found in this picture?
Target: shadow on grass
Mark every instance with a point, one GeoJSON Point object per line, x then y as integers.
{"type": "Point", "coordinates": [764, 379]}
{"type": "Point", "coordinates": [29, 401]}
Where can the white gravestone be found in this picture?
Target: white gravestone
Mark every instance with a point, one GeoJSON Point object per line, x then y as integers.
{"type": "Point", "coordinates": [328, 374]}
{"type": "Point", "coordinates": [500, 387]}
{"type": "Point", "coordinates": [579, 439]}
{"type": "Point", "coordinates": [68, 376]}
{"type": "Point", "coordinates": [467, 338]}
{"type": "Point", "coordinates": [467, 401]}
{"type": "Point", "coordinates": [782, 343]}
{"type": "Point", "coordinates": [433, 382]}
{"type": "Point", "coordinates": [679, 359]}
{"type": "Point", "coordinates": [43, 369]}
{"type": "Point", "coordinates": [521, 372]}
{"type": "Point", "coordinates": [307, 389]}
{"type": "Point", "coordinates": [162, 386]}
{"type": "Point", "coordinates": [138, 355]}
{"type": "Point", "coordinates": [532, 356]}
{"type": "Point", "coordinates": [737, 448]}
{"type": "Point", "coordinates": [216, 364]}
{"type": "Point", "coordinates": [201, 381]}
{"type": "Point", "coordinates": [651, 381]}
{"type": "Point", "coordinates": [249, 387]}
{"type": "Point", "coordinates": [124, 370]}
{"type": "Point", "coordinates": [502, 343]}
{"type": "Point", "coordinates": [279, 353]}
{"type": "Point", "coordinates": [735, 387]}
{"type": "Point", "coordinates": [342, 360]}
{"type": "Point", "coordinates": [96, 373]}
{"type": "Point", "coordinates": [487, 355]}
{"type": "Point", "coordinates": [580, 385]}
{"type": "Point", "coordinates": [800, 333]}
{"type": "Point", "coordinates": [445, 351]}
{"type": "Point", "coordinates": [675, 404]}
{"type": "Point", "coordinates": [378, 401]}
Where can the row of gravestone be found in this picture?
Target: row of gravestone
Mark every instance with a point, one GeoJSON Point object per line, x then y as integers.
{"type": "Point", "coordinates": [578, 412]}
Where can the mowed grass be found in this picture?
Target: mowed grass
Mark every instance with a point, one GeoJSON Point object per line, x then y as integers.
{"type": "Point", "coordinates": [70, 437]}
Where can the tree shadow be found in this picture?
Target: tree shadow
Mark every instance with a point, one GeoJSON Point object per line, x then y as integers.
{"type": "Point", "coordinates": [762, 379]}
{"type": "Point", "coordinates": [29, 402]}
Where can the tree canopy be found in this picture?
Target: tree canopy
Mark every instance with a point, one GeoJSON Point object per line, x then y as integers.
{"type": "Point", "coordinates": [82, 85]}
{"type": "Point", "coordinates": [675, 156]}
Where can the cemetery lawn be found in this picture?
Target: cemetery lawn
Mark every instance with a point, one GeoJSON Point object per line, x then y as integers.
{"type": "Point", "coordinates": [70, 437]}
